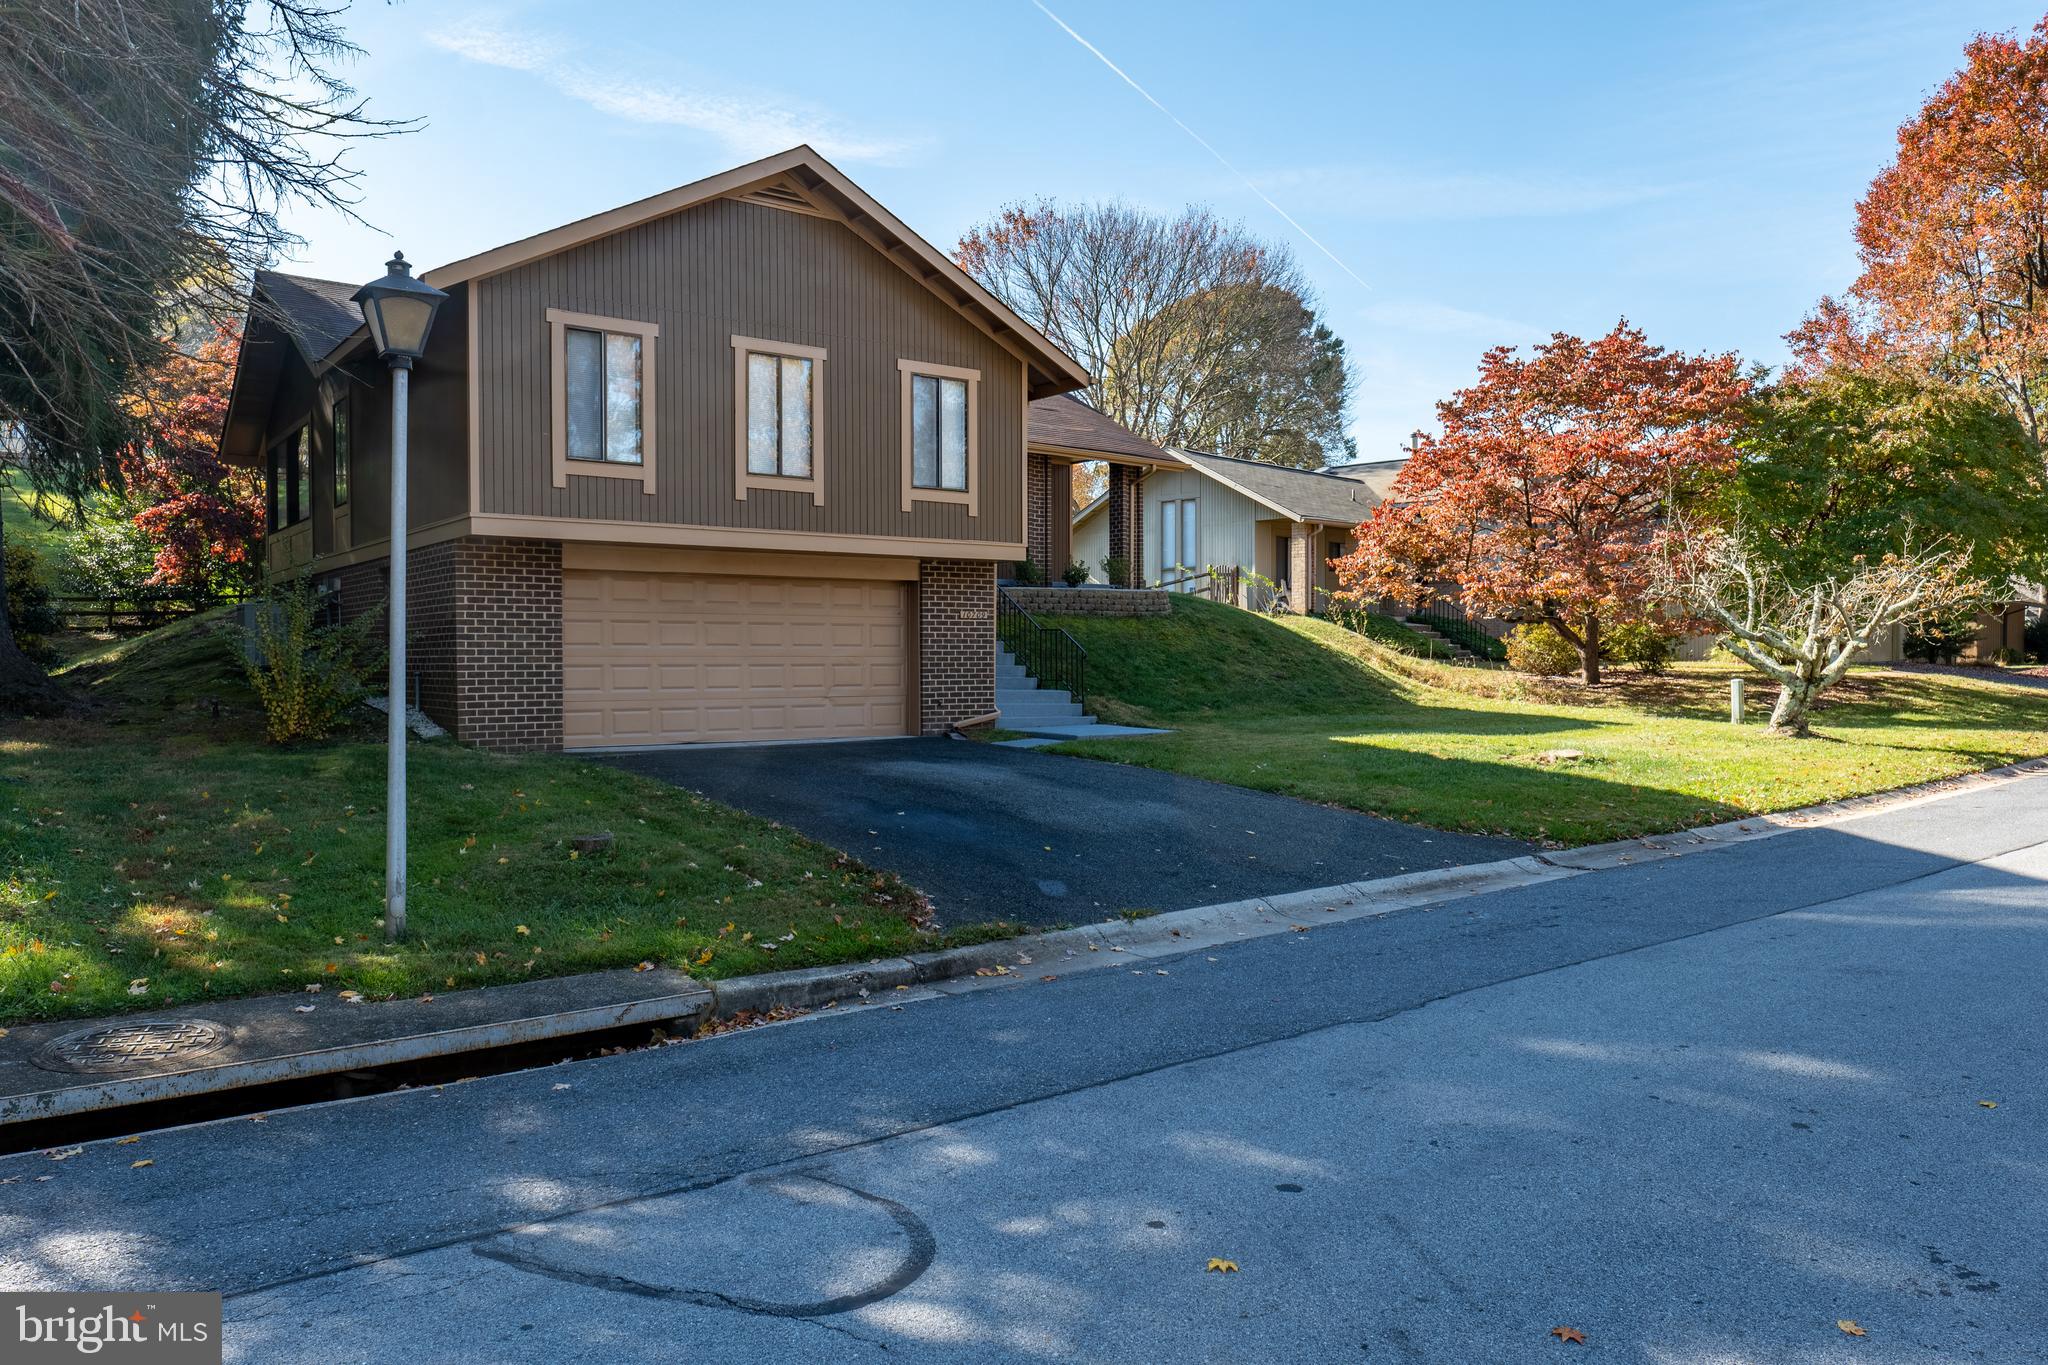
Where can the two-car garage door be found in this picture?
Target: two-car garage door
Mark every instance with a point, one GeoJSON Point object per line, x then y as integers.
{"type": "Point", "coordinates": [670, 658]}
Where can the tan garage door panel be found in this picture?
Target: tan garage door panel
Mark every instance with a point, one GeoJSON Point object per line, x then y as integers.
{"type": "Point", "coordinates": [671, 659]}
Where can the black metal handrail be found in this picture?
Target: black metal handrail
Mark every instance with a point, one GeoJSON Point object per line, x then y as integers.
{"type": "Point", "coordinates": [1047, 653]}
{"type": "Point", "coordinates": [1448, 610]}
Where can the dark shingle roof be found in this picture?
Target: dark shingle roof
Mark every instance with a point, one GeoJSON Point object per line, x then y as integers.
{"type": "Point", "coordinates": [1070, 424]}
{"type": "Point", "coordinates": [1304, 494]}
{"type": "Point", "coordinates": [317, 313]}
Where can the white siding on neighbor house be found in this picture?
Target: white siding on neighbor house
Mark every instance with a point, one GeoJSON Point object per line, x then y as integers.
{"type": "Point", "coordinates": [1223, 521]}
{"type": "Point", "coordinates": [1091, 544]}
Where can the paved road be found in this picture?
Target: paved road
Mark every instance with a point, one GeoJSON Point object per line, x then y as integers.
{"type": "Point", "coordinates": [1699, 1109]}
{"type": "Point", "coordinates": [992, 833]}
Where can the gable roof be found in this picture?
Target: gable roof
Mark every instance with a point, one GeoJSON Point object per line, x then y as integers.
{"type": "Point", "coordinates": [318, 315]}
{"type": "Point", "coordinates": [1378, 475]}
{"type": "Point", "coordinates": [287, 313]}
{"type": "Point", "coordinates": [1064, 422]}
{"type": "Point", "coordinates": [1299, 494]}
{"type": "Point", "coordinates": [805, 181]}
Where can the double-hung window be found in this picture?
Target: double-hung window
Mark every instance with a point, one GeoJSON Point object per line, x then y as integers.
{"type": "Point", "coordinates": [779, 390]}
{"type": "Point", "coordinates": [941, 450]}
{"type": "Point", "coordinates": [604, 405]}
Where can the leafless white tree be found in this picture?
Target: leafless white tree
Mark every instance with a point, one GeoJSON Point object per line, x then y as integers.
{"type": "Point", "coordinates": [1804, 635]}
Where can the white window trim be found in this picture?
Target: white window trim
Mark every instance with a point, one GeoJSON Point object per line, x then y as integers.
{"type": "Point", "coordinates": [560, 320]}
{"type": "Point", "coordinates": [743, 478]}
{"type": "Point", "coordinates": [971, 495]}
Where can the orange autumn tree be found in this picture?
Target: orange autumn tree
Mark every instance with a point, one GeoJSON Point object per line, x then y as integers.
{"type": "Point", "coordinates": [1953, 237]}
{"type": "Point", "coordinates": [203, 518]}
{"type": "Point", "coordinates": [1544, 498]}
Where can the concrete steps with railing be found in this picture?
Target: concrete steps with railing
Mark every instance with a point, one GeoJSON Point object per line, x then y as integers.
{"type": "Point", "coordinates": [1046, 714]}
{"type": "Point", "coordinates": [1458, 652]}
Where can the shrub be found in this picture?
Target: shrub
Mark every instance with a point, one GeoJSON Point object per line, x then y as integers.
{"type": "Point", "coordinates": [31, 612]}
{"type": "Point", "coordinates": [1641, 643]}
{"type": "Point", "coordinates": [307, 675]}
{"type": "Point", "coordinates": [1029, 573]}
{"type": "Point", "coordinates": [1117, 569]}
{"type": "Point", "coordinates": [1076, 573]}
{"type": "Point", "coordinates": [1536, 647]}
{"type": "Point", "coordinates": [1941, 640]}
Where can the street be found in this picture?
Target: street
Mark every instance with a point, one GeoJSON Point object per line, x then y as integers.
{"type": "Point", "coordinates": [1701, 1110]}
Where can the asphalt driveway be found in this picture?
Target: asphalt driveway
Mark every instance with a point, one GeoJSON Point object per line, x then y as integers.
{"type": "Point", "coordinates": [993, 833]}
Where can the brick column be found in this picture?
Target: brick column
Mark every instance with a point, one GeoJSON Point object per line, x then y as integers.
{"type": "Point", "coordinates": [1127, 522]}
{"type": "Point", "coordinates": [1037, 515]}
{"type": "Point", "coordinates": [956, 642]}
{"type": "Point", "coordinates": [508, 643]}
{"type": "Point", "coordinates": [1300, 570]}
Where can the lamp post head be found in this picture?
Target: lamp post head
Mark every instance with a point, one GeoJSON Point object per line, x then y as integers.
{"type": "Point", "coordinates": [399, 311]}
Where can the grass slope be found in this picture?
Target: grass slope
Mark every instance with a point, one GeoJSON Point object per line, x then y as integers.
{"type": "Point", "coordinates": [154, 851]}
{"type": "Point", "coordinates": [1302, 707]}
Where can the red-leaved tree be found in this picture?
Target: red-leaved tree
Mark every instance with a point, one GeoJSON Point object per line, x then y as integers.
{"type": "Point", "coordinates": [1953, 237]}
{"type": "Point", "coordinates": [204, 517]}
{"type": "Point", "coordinates": [1544, 498]}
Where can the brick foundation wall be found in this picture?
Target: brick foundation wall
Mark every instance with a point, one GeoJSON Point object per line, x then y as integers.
{"type": "Point", "coordinates": [1093, 601]}
{"type": "Point", "coordinates": [956, 642]}
{"type": "Point", "coordinates": [508, 649]}
{"type": "Point", "coordinates": [483, 636]}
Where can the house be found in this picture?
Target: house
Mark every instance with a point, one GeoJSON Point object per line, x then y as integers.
{"type": "Point", "coordinates": [1213, 511]}
{"type": "Point", "coordinates": [738, 461]}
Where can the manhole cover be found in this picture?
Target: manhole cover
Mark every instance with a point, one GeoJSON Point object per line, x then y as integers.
{"type": "Point", "coordinates": [135, 1046]}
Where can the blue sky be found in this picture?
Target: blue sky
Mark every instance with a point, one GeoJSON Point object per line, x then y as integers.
{"type": "Point", "coordinates": [1479, 173]}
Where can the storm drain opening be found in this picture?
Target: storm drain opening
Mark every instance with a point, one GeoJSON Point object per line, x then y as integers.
{"type": "Point", "coordinates": [109, 1050]}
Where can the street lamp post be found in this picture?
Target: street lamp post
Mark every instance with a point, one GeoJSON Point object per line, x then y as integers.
{"type": "Point", "coordinates": [399, 311]}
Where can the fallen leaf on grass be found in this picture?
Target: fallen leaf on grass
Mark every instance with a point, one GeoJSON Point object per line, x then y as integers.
{"type": "Point", "coordinates": [520, 929]}
{"type": "Point", "coordinates": [1571, 1334]}
{"type": "Point", "coordinates": [1219, 1266]}
{"type": "Point", "coordinates": [1849, 1327]}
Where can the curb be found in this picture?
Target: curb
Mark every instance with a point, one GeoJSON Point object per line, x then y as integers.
{"type": "Point", "coordinates": [674, 998]}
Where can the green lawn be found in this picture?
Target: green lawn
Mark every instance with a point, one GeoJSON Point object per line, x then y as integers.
{"type": "Point", "coordinates": [1302, 707]}
{"type": "Point", "coordinates": [154, 851]}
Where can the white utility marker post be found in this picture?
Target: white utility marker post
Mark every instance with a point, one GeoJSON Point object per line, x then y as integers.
{"type": "Point", "coordinates": [399, 311]}
{"type": "Point", "coordinates": [1735, 701]}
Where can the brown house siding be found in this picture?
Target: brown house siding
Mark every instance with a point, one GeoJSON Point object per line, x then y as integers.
{"type": "Point", "coordinates": [956, 642]}
{"type": "Point", "coordinates": [704, 275]}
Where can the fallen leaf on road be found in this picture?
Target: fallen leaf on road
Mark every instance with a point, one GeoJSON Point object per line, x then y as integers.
{"type": "Point", "coordinates": [138, 1165]}
{"type": "Point", "coordinates": [63, 1153]}
{"type": "Point", "coordinates": [1571, 1334]}
{"type": "Point", "coordinates": [259, 1118]}
{"type": "Point", "coordinates": [126, 1140]}
{"type": "Point", "coordinates": [643, 966]}
{"type": "Point", "coordinates": [1848, 1327]}
{"type": "Point", "coordinates": [352, 997]}
{"type": "Point", "coordinates": [1219, 1266]}
{"type": "Point", "coordinates": [1987, 1104]}
{"type": "Point", "coordinates": [302, 1009]}
{"type": "Point", "coordinates": [991, 971]}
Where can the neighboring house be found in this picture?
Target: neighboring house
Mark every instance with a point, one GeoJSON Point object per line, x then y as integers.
{"type": "Point", "coordinates": [735, 462]}
{"type": "Point", "coordinates": [1211, 511]}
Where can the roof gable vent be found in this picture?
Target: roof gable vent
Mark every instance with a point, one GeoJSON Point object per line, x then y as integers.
{"type": "Point", "coordinates": [780, 194]}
